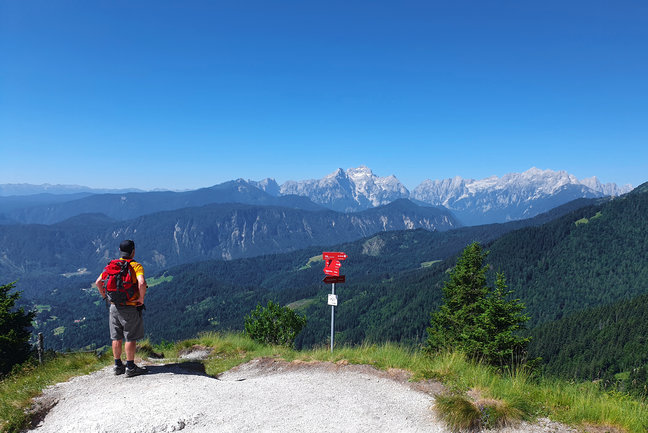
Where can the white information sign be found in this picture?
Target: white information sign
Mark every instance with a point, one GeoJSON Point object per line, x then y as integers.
{"type": "Point", "coordinates": [332, 300]}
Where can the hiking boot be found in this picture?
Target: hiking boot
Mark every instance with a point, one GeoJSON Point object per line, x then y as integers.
{"type": "Point", "coordinates": [136, 371]}
{"type": "Point", "coordinates": [119, 369]}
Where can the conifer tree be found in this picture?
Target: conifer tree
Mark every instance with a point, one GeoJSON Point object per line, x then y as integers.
{"type": "Point", "coordinates": [14, 330]}
{"type": "Point", "coordinates": [501, 320]}
{"type": "Point", "coordinates": [475, 318]}
{"type": "Point", "coordinates": [464, 294]}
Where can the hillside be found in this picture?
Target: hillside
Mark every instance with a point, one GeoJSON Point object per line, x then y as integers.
{"type": "Point", "coordinates": [215, 231]}
{"type": "Point", "coordinates": [217, 294]}
{"type": "Point", "coordinates": [594, 256]}
{"type": "Point", "coordinates": [597, 342]}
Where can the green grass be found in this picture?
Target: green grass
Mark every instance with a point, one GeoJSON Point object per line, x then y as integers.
{"type": "Point", "coordinates": [17, 390]}
{"type": "Point", "coordinates": [311, 262]}
{"type": "Point", "coordinates": [586, 221]}
{"type": "Point", "coordinates": [302, 304]}
{"type": "Point", "coordinates": [475, 395]}
{"type": "Point", "coordinates": [576, 404]}
{"type": "Point", "coordinates": [154, 281]}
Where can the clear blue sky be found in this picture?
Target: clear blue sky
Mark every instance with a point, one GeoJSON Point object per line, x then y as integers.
{"type": "Point", "coordinates": [186, 94]}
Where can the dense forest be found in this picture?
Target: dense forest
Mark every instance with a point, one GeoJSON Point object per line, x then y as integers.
{"type": "Point", "coordinates": [597, 342]}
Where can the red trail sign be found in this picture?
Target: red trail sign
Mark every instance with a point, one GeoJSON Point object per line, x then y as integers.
{"type": "Point", "coordinates": [332, 263]}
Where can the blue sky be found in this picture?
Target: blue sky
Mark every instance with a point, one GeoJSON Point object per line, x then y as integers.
{"type": "Point", "coordinates": [186, 94]}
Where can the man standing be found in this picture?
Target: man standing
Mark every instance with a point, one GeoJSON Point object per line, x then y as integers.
{"type": "Point", "coordinates": [126, 321]}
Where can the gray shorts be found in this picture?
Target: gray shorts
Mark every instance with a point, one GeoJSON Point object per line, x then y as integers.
{"type": "Point", "coordinates": [125, 323]}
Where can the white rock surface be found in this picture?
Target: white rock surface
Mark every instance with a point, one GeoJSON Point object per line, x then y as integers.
{"type": "Point", "coordinates": [260, 396]}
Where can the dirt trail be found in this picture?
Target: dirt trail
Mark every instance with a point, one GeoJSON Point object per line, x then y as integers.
{"type": "Point", "coordinates": [261, 396]}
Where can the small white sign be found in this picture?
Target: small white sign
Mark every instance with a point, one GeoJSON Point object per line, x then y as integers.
{"type": "Point", "coordinates": [332, 300]}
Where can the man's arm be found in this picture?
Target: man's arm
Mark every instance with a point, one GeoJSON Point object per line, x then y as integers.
{"type": "Point", "coordinates": [100, 285]}
{"type": "Point", "coordinates": [141, 283]}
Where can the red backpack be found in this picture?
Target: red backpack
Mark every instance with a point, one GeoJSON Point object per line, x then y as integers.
{"type": "Point", "coordinates": [120, 282]}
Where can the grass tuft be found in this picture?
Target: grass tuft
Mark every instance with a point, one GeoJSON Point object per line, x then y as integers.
{"type": "Point", "coordinates": [458, 412]}
{"type": "Point", "coordinates": [147, 350]}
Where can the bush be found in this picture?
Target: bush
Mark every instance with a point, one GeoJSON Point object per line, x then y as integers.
{"type": "Point", "coordinates": [274, 324]}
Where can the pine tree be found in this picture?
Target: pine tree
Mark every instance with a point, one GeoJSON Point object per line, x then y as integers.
{"type": "Point", "coordinates": [14, 330]}
{"type": "Point", "coordinates": [475, 318]}
{"type": "Point", "coordinates": [464, 296]}
{"type": "Point", "coordinates": [501, 321]}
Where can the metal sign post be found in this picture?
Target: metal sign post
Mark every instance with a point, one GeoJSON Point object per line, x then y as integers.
{"type": "Point", "coordinates": [332, 315]}
{"type": "Point", "coordinates": [332, 271]}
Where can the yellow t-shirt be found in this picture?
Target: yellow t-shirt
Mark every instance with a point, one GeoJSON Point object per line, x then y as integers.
{"type": "Point", "coordinates": [139, 270]}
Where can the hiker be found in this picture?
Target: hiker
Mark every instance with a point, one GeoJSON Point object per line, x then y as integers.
{"type": "Point", "coordinates": [125, 318]}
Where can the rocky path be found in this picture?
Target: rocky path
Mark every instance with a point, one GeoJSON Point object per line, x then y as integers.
{"type": "Point", "coordinates": [260, 396]}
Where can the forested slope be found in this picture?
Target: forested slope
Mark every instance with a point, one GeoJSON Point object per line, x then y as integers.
{"type": "Point", "coordinates": [596, 255]}
{"type": "Point", "coordinates": [597, 342]}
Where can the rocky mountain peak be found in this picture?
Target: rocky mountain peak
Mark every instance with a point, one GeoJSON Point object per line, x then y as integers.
{"type": "Point", "coordinates": [492, 199]}
{"type": "Point", "coordinates": [268, 185]}
{"type": "Point", "coordinates": [349, 191]}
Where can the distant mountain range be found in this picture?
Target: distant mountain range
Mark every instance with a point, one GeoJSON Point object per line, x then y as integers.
{"type": "Point", "coordinates": [125, 206]}
{"type": "Point", "coordinates": [512, 197]}
{"type": "Point", "coordinates": [12, 189]}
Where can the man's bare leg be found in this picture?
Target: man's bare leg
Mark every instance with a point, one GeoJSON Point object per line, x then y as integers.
{"type": "Point", "coordinates": [117, 349]}
{"type": "Point", "coordinates": [131, 348]}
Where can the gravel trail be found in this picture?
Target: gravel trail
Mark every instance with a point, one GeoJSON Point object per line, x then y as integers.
{"type": "Point", "coordinates": [261, 396]}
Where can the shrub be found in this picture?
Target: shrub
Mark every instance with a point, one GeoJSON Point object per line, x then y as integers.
{"type": "Point", "coordinates": [274, 324]}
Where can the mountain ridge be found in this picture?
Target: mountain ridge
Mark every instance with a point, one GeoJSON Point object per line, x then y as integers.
{"type": "Point", "coordinates": [22, 189]}
{"type": "Point", "coordinates": [493, 199]}
{"type": "Point", "coordinates": [135, 204]}
{"type": "Point", "coordinates": [513, 196]}
{"type": "Point", "coordinates": [217, 231]}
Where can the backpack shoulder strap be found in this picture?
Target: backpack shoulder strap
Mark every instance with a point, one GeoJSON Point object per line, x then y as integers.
{"type": "Point", "coordinates": [130, 269]}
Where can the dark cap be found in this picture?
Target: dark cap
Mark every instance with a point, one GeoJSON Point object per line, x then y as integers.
{"type": "Point", "coordinates": [126, 248]}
